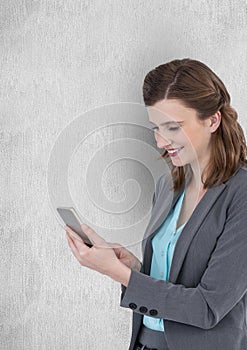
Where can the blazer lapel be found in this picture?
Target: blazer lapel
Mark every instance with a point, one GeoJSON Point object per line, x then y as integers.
{"type": "Point", "coordinates": [191, 227]}
{"type": "Point", "coordinates": [164, 205]}
{"type": "Point", "coordinates": [162, 208]}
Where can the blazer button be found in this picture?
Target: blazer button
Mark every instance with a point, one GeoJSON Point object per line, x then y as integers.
{"type": "Point", "coordinates": [153, 312]}
{"type": "Point", "coordinates": [133, 306]}
{"type": "Point", "coordinates": [143, 309]}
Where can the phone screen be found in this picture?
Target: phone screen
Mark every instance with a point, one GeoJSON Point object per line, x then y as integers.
{"type": "Point", "coordinates": [71, 219]}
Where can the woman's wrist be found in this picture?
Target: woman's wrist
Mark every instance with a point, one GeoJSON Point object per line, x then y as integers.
{"type": "Point", "coordinates": [121, 273]}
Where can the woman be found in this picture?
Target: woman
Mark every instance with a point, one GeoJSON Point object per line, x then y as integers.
{"type": "Point", "coordinates": [192, 297]}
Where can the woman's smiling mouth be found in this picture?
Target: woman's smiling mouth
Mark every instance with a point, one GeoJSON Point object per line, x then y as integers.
{"type": "Point", "coordinates": [174, 151]}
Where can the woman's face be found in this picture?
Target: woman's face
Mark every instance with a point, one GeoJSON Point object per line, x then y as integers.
{"type": "Point", "coordinates": [177, 127]}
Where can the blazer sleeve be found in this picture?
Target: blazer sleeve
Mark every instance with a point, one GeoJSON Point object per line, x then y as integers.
{"type": "Point", "coordinates": [222, 285]}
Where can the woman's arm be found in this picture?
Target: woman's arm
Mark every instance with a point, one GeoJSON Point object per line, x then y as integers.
{"type": "Point", "coordinates": [110, 259]}
{"type": "Point", "coordinates": [222, 285]}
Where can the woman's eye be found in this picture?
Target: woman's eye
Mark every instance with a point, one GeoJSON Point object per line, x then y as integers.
{"type": "Point", "coordinates": [170, 129]}
{"type": "Point", "coordinates": [174, 128]}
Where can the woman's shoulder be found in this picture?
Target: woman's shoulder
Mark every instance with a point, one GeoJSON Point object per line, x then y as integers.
{"type": "Point", "coordinates": [164, 180]}
{"type": "Point", "coordinates": [238, 181]}
{"type": "Point", "coordinates": [239, 175]}
{"type": "Point", "coordinates": [244, 168]}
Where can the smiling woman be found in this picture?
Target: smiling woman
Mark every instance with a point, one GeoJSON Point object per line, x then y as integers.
{"type": "Point", "coordinates": [189, 292]}
{"type": "Point", "coordinates": [189, 91]}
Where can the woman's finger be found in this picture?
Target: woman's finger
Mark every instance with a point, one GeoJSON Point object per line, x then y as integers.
{"type": "Point", "coordinates": [93, 236]}
{"type": "Point", "coordinates": [73, 247]}
{"type": "Point", "coordinates": [73, 233]}
{"type": "Point", "coordinates": [114, 245]}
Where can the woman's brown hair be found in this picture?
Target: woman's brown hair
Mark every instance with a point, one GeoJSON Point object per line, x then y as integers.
{"type": "Point", "coordinates": [198, 87]}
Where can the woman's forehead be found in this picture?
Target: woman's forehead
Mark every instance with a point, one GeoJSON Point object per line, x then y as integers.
{"type": "Point", "coordinates": [160, 117]}
{"type": "Point", "coordinates": [169, 111]}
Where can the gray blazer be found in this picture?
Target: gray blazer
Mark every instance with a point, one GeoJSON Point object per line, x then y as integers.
{"type": "Point", "coordinates": [204, 302]}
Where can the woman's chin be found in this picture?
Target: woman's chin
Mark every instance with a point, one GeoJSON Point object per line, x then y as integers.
{"type": "Point", "coordinates": [177, 161]}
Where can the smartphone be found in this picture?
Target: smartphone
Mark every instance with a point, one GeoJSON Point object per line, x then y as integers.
{"type": "Point", "coordinates": [71, 219]}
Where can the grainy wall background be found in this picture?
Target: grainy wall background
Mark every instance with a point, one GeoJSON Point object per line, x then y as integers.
{"type": "Point", "coordinates": [59, 59]}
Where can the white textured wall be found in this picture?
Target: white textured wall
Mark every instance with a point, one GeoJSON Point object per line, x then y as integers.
{"type": "Point", "coordinates": [59, 59]}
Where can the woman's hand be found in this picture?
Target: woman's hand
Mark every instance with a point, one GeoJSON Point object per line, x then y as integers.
{"type": "Point", "coordinates": [126, 257]}
{"type": "Point", "coordinates": [100, 257]}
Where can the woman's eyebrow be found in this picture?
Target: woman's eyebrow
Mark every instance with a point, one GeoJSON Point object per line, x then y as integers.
{"type": "Point", "coordinates": [171, 122]}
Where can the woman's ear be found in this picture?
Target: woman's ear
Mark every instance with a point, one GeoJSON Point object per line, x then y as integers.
{"type": "Point", "coordinates": [215, 120]}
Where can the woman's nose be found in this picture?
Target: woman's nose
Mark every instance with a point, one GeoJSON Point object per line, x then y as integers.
{"type": "Point", "coordinates": [161, 140]}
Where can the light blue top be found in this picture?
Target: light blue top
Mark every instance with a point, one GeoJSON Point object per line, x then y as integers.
{"type": "Point", "coordinates": [163, 244]}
